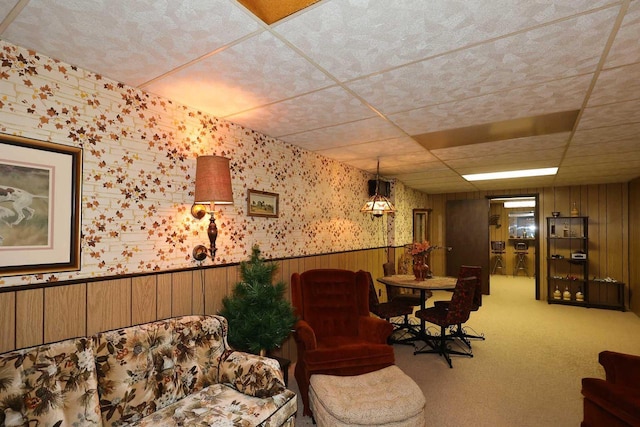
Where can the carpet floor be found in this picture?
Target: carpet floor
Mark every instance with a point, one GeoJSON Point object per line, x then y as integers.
{"type": "Point", "coordinates": [527, 372]}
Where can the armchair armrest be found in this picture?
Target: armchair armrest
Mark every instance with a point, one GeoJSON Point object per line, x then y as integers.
{"type": "Point", "coordinates": [304, 334]}
{"type": "Point", "coordinates": [617, 401]}
{"type": "Point", "coordinates": [620, 368]}
{"type": "Point", "coordinates": [374, 329]}
{"type": "Point", "coordinates": [251, 374]}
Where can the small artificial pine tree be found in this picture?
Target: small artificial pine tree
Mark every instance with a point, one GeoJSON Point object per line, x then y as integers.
{"type": "Point", "coordinates": [259, 317]}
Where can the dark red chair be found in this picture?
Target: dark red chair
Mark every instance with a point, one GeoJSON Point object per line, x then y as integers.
{"type": "Point", "coordinates": [335, 333]}
{"type": "Point", "coordinates": [466, 333]}
{"type": "Point", "coordinates": [456, 312]}
{"type": "Point", "coordinates": [614, 401]}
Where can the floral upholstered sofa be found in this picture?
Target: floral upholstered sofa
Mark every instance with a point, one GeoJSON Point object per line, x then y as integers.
{"type": "Point", "coordinates": [172, 372]}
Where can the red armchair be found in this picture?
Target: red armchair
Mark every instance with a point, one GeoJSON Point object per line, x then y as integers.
{"type": "Point", "coordinates": [613, 402]}
{"type": "Point", "coordinates": [336, 334]}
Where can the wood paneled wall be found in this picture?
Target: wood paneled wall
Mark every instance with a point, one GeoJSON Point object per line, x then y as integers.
{"type": "Point", "coordinates": [36, 316]}
{"type": "Point", "coordinates": [606, 205]}
{"type": "Point", "coordinates": [634, 245]}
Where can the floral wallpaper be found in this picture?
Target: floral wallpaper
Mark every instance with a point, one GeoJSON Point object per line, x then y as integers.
{"type": "Point", "coordinates": [139, 154]}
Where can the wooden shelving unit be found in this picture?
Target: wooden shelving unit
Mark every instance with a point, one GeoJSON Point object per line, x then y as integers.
{"type": "Point", "coordinates": [568, 267]}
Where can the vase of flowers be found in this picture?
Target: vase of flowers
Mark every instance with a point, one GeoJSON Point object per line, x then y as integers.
{"type": "Point", "coordinates": [420, 251]}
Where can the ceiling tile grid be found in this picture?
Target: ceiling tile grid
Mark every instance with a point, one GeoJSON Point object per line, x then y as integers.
{"type": "Point", "coordinates": [353, 80]}
{"type": "Point", "coordinates": [282, 74]}
{"type": "Point", "coordinates": [129, 41]}
{"type": "Point", "coordinates": [558, 95]}
{"type": "Point", "coordinates": [565, 49]}
{"type": "Point", "coordinates": [350, 133]}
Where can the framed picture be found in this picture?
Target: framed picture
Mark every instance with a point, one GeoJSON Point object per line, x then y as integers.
{"type": "Point", "coordinates": [261, 203]}
{"type": "Point", "coordinates": [40, 184]}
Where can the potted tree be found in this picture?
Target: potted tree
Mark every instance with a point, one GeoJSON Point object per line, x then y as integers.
{"type": "Point", "coordinates": [259, 316]}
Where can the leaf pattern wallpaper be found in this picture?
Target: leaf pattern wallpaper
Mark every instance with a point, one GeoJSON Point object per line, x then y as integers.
{"type": "Point", "coordinates": [139, 153]}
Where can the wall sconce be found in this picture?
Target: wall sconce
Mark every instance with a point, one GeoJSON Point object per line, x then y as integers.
{"type": "Point", "coordinates": [213, 186]}
{"type": "Point", "coordinates": [378, 205]}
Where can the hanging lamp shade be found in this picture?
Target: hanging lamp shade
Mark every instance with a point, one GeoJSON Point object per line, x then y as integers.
{"type": "Point", "coordinates": [378, 205]}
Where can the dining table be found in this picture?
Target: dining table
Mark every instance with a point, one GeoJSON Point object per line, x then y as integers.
{"type": "Point", "coordinates": [434, 283]}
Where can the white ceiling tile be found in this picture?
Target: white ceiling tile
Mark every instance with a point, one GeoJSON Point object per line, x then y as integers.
{"type": "Point", "coordinates": [375, 149]}
{"type": "Point", "coordinates": [509, 184]}
{"type": "Point", "coordinates": [130, 42]}
{"type": "Point", "coordinates": [617, 84]}
{"type": "Point", "coordinates": [330, 78]}
{"type": "Point", "coordinates": [367, 130]}
{"type": "Point", "coordinates": [620, 113]}
{"type": "Point", "coordinates": [564, 49]}
{"type": "Point", "coordinates": [561, 95]}
{"type": "Point", "coordinates": [5, 8]}
{"type": "Point", "coordinates": [513, 147]}
{"type": "Point", "coordinates": [602, 160]}
{"type": "Point", "coordinates": [316, 110]}
{"type": "Point", "coordinates": [625, 48]}
{"type": "Point", "coordinates": [351, 38]}
{"type": "Point", "coordinates": [258, 71]}
{"type": "Point", "coordinates": [393, 164]}
{"type": "Point", "coordinates": [606, 134]}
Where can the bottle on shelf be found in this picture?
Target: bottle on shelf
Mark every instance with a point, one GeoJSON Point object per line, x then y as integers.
{"type": "Point", "coordinates": [566, 295]}
{"type": "Point", "coordinates": [574, 210]}
{"type": "Point", "coordinates": [556, 293]}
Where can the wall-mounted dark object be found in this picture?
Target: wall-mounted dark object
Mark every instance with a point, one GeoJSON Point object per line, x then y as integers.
{"type": "Point", "coordinates": [384, 188]}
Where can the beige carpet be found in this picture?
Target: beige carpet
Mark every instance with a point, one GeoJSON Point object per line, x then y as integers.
{"type": "Point", "coordinates": [527, 372]}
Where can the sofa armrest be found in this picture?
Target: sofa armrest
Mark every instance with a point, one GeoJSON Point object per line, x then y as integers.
{"type": "Point", "coordinates": [620, 368]}
{"type": "Point", "coordinates": [374, 329]}
{"type": "Point", "coordinates": [305, 335]}
{"type": "Point", "coordinates": [252, 375]}
{"type": "Point", "coordinates": [621, 402]}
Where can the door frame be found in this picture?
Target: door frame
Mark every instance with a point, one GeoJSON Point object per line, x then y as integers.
{"type": "Point", "coordinates": [537, 220]}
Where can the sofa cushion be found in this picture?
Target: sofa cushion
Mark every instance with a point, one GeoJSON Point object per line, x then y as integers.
{"type": "Point", "coordinates": [220, 405]}
{"type": "Point", "coordinates": [49, 385]}
{"type": "Point", "coordinates": [252, 375]}
{"type": "Point", "coordinates": [142, 369]}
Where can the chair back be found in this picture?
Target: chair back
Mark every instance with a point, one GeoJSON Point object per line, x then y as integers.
{"type": "Point", "coordinates": [330, 300]}
{"type": "Point", "coordinates": [373, 293]}
{"type": "Point", "coordinates": [461, 301]}
{"type": "Point", "coordinates": [469, 271]}
{"type": "Point", "coordinates": [389, 268]}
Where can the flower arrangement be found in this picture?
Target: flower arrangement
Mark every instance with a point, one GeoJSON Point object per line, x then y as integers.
{"type": "Point", "coordinates": [423, 248]}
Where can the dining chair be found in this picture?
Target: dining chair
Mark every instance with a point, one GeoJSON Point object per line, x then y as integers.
{"type": "Point", "coordinates": [404, 332]}
{"type": "Point", "coordinates": [466, 333]}
{"type": "Point", "coordinates": [457, 312]}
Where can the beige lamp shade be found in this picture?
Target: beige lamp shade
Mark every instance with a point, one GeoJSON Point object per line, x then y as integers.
{"type": "Point", "coordinates": [213, 181]}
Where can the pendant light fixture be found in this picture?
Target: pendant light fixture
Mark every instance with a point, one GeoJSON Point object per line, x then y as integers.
{"type": "Point", "coordinates": [378, 205]}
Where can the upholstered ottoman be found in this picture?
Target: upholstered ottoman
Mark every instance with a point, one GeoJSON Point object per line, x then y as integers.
{"type": "Point", "coordinates": [387, 397]}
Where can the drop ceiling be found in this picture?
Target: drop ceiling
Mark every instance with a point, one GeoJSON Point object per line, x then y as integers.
{"type": "Point", "coordinates": [358, 80]}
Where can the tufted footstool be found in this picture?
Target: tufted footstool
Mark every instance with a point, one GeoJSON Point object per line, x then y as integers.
{"type": "Point", "coordinates": [387, 397]}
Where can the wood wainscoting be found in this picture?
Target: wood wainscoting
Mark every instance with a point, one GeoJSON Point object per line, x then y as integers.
{"type": "Point", "coordinates": [47, 313]}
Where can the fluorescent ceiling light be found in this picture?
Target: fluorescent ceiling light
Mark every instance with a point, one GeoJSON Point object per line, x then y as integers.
{"type": "Point", "coordinates": [510, 174]}
{"type": "Point", "coordinates": [520, 204]}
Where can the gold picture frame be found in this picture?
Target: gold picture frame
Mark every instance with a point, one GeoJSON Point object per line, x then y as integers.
{"type": "Point", "coordinates": [262, 203]}
{"type": "Point", "coordinates": [40, 210]}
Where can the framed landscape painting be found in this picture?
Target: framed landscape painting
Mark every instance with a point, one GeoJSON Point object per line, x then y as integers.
{"type": "Point", "coordinates": [40, 185]}
{"type": "Point", "coordinates": [261, 203]}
